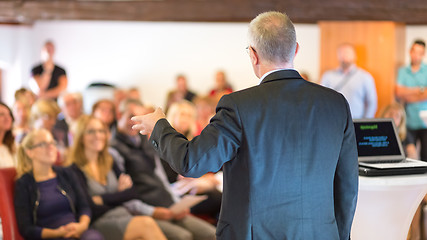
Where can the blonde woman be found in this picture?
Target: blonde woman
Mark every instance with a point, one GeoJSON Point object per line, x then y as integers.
{"type": "Point", "coordinates": [105, 188]}
{"type": "Point", "coordinates": [44, 113]}
{"type": "Point", "coordinates": [182, 116]}
{"type": "Point", "coordinates": [48, 204]}
{"type": "Point", "coordinates": [397, 112]}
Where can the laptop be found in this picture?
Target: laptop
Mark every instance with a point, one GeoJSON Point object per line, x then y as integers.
{"type": "Point", "coordinates": [380, 150]}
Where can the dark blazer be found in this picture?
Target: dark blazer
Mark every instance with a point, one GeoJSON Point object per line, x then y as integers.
{"type": "Point", "coordinates": [27, 197]}
{"type": "Point", "coordinates": [140, 165]}
{"type": "Point", "coordinates": [60, 132]}
{"type": "Point", "coordinates": [289, 158]}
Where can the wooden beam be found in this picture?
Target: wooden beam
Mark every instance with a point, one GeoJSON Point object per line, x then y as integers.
{"type": "Point", "coordinates": [308, 11]}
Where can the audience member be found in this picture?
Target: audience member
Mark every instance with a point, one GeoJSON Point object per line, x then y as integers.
{"type": "Point", "coordinates": [180, 92]}
{"type": "Point", "coordinates": [222, 86]}
{"type": "Point", "coordinates": [397, 112]}
{"type": "Point", "coordinates": [356, 84]}
{"type": "Point", "coordinates": [26, 96]}
{"type": "Point", "coordinates": [150, 180]}
{"type": "Point", "coordinates": [182, 116]}
{"type": "Point", "coordinates": [7, 139]}
{"type": "Point", "coordinates": [205, 107]}
{"type": "Point", "coordinates": [410, 89]}
{"type": "Point", "coordinates": [287, 147]}
{"type": "Point", "coordinates": [21, 114]}
{"type": "Point", "coordinates": [48, 203]}
{"type": "Point", "coordinates": [105, 110]}
{"type": "Point", "coordinates": [119, 96]}
{"type": "Point", "coordinates": [105, 188]}
{"type": "Point", "coordinates": [71, 105]}
{"type": "Point", "coordinates": [51, 79]}
{"type": "Point", "coordinates": [134, 93]}
{"type": "Point", "coordinates": [43, 114]}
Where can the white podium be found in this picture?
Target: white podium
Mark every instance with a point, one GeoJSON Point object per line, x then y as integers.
{"type": "Point", "coordinates": [386, 206]}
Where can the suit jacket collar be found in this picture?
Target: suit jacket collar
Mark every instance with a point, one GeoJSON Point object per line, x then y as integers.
{"type": "Point", "coordinates": [282, 75]}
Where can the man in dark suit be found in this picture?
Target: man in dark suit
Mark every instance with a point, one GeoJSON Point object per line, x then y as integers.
{"type": "Point", "coordinates": [287, 148]}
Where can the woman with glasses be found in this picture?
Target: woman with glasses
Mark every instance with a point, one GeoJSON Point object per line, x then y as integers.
{"type": "Point", "coordinates": [106, 189]}
{"type": "Point", "coordinates": [48, 204]}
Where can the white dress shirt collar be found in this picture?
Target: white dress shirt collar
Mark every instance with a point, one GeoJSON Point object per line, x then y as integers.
{"type": "Point", "coordinates": [272, 71]}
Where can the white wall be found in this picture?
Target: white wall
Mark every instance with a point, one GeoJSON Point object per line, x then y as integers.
{"type": "Point", "coordinates": [144, 54]}
{"type": "Point", "coordinates": [147, 54]}
{"type": "Point", "coordinates": [15, 56]}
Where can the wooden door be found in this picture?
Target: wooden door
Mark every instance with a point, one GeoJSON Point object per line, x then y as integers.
{"type": "Point", "coordinates": [380, 49]}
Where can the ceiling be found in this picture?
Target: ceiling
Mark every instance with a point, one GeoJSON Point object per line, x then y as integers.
{"type": "Point", "coordinates": [300, 11]}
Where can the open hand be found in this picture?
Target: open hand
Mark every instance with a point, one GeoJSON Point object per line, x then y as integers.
{"type": "Point", "coordinates": [145, 123]}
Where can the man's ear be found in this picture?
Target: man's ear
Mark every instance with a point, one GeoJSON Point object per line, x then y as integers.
{"type": "Point", "coordinates": [296, 49]}
{"type": "Point", "coordinates": [254, 57]}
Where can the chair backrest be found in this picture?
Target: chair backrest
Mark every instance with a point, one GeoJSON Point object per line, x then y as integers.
{"type": "Point", "coordinates": [7, 210]}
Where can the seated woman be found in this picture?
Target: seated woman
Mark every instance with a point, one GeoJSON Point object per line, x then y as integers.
{"type": "Point", "coordinates": [397, 112]}
{"type": "Point", "coordinates": [48, 204]}
{"type": "Point", "coordinates": [106, 192]}
{"type": "Point", "coordinates": [7, 139]}
{"type": "Point", "coordinates": [105, 110]}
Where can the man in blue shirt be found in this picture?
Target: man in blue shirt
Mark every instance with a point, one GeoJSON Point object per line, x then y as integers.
{"type": "Point", "coordinates": [356, 84]}
{"type": "Point", "coordinates": [410, 88]}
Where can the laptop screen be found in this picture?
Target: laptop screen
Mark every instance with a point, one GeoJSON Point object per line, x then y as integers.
{"type": "Point", "coordinates": [377, 140]}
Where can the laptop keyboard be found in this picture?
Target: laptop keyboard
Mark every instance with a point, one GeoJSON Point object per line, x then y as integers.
{"type": "Point", "coordinates": [388, 161]}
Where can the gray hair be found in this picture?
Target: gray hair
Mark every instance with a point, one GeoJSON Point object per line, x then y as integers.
{"type": "Point", "coordinates": [124, 104]}
{"type": "Point", "coordinates": [272, 35]}
{"type": "Point", "coordinates": [75, 95]}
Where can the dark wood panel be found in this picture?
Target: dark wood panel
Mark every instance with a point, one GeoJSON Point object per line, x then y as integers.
{"type": "Point", "coordinates": [307, 11]}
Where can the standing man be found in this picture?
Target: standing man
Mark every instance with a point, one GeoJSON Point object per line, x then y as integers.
{"type": "Point", "coordinates": [357, 85]}
{"type": "Point", "coordinates": [410, 88]}
{"type": "Point", "coordinates": [287, 148]}
{"type": "Point", "coordinates": [51, 79]}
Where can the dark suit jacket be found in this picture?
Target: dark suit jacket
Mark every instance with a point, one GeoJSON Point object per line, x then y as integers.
{"type": "Point", "coordinates": [140, 165]}
{"type": "Point", "coordinates": [60, 132]}
{"type": "Point", "coordinates": [289, 157]}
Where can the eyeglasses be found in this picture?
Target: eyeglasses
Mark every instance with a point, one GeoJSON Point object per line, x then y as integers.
{"type": "Point", "coordinates": [248, 48]}
{"type": "Point", "coordinates": [44, 144]}
{"type": "Point", "coordinates": [94, 131]}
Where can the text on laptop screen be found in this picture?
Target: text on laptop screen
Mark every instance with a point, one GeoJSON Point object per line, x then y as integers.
{"type": "Point", "coordinates": [376, 139]}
